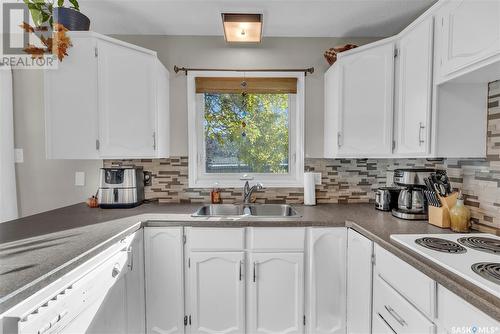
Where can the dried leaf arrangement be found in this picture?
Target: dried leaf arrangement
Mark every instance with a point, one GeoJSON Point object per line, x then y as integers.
{"type": "Point", "coordinates": [57, 44]}
{"type": "Point", "coordinates": [331, 54]}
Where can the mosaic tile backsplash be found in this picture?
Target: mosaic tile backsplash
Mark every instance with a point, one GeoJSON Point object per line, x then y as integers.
{"type": "Point", "coordinates": [351, 180]}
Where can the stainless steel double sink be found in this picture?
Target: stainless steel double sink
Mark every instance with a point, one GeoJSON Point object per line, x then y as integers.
{"type": "Point", "coordinates": [247, 210]}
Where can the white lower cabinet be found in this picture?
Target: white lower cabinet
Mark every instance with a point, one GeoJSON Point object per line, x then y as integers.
{"type": "Point", "coordinates": [253, 280]}
{"type": "Point", "coordinates": [217, 292]}
{"type": "Point", "coordinates": [326, 280]}
{"type": "Point", "coordinates": [409, 282]}
{"type": "Point", "coordinates": [275, 293]}
{"type": "Point", "coordinates": [396, 311]}
{"type": "Point", "coordinates": [456, 315]}
{"type": "Point", "coordinates": [164, 279]}
{"type": "Point", "coordinates": [359, 283]}
{"type": "Point", "coordinates": [135, 285]}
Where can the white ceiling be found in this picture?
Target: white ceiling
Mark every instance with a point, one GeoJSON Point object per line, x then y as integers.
{"type": "Point", "coordinates": [309, 18]}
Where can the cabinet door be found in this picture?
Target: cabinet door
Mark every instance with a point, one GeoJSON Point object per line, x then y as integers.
{"type": "Point", "coordinates": [331, 117]}
{"type": "Point", "coordinates": [217, 292]}
{"type": "Point", "coordinates": [162, 132]}
{"type": "Point", "coordinates": [70, 94]}
{"type": "Point", "coordinates": [359, 282]}
{"type": "Point", "coordinates": [164, 280]}
{"type": "Point", "coordinates": [413, 90]}
{"type": "Point", "coordinates": [469, 31]}
{"type": "Point", "coordinates": [127, 103]}
{"type": "Point", "coordinates": [325, 280]}
{"type": "Point", "coordinates": [134, 281]}
{"type": "Point", "coordinates": [366, 102]}
{"type": "Point", "coordinates": [276, 293]}
{"type": "Point", "coordinates": [453, 312]}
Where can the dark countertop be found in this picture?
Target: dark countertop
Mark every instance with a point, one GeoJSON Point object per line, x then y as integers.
{"type": "Point", "coordinates": [36, 250]}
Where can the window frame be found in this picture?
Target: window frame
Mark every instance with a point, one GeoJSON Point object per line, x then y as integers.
{"type": "Point", "coordinates": [198, 178]}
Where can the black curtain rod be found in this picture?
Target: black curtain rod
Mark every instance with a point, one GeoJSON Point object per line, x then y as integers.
{"type": "Point", "coordinates": [306, 71]}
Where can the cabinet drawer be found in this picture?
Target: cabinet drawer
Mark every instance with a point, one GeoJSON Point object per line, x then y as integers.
{"type": "Point", "coordinates": [276, 238]}
{"type": "Point", "coordinates": [215, 238]}
{"type": "Point", "coordinates": [419, 289]}
{"type": "Point", "coordinates": [398, 313]}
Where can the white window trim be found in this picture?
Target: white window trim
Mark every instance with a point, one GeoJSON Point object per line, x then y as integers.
{"type": "Point", "coordinates": [199, 179]}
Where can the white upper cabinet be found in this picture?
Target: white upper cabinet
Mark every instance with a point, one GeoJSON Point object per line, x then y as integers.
{"type": "Point", "coordinates": [217, 292]}
{"type": "Point", "coordinates": [326, 280]}
{"type": "Point", "coordinates": [71, 104]}
{"type": "Point", "coordinates": [467, 32]}
{"type": "Point", "coordinates": [414, 90]}
{"type": "Point", "coordinates": [164, 280]}
{"type": "Point", "coordinates": [108, 99]}
{"type": "Point", "coordinates": [360, 113]}
{"type": "Point", "coordinates": [126, 101]}
{"type": "Point", "coordinates": [276, 293]}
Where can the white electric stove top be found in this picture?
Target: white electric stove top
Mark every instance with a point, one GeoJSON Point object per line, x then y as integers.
{"type": "Point", "coordinates": [461, 254]}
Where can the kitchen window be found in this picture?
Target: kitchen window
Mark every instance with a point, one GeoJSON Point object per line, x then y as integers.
{"type": "Point", "coordinates": [245, 126]}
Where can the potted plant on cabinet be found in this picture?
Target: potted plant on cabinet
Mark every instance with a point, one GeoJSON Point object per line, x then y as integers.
{"type": "Point", "coordinates": [47, 12]}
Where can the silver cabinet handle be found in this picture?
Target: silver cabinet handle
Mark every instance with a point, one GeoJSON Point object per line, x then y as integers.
{"type": "Point", "coordinates": [255, 271]}
{"type": "Point", "coordinates": [339, 138]}
{"type": "Point", "coordinates": [130, 254]}
{"type": "Point", "coordinates": [420, 128]}
{"type": "Point", "coordinates": [241, 271]}
{"type": "Point", "coordinates": [395, 315]}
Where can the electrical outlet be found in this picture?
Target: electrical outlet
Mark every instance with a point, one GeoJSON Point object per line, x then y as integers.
{"type": "Point", "coordinates": [79, 178]}
{"type": "Point", "coordinates": [19, 155]}
{"type": "Point", "coordinates": [317, 178]}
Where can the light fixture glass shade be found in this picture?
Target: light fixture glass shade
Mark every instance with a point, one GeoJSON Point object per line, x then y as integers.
{"type": "Point", "coordinates": [243, 28]}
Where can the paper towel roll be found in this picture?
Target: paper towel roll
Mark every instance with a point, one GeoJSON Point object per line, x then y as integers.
{"type": "Point", "coordinates": [309, 189]}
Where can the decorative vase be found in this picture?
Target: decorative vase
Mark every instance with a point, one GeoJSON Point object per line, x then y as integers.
{"type": "Point", "coordinates": [460, 216]}
{"type": "Point", "coordinates": [71, 19]}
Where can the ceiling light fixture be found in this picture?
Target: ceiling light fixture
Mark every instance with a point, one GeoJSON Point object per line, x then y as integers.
{"type": "Point", "coordinates": [242, 28]}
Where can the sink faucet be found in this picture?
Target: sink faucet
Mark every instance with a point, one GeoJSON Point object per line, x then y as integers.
{"type": "Point", "coordinates": [248, 191]}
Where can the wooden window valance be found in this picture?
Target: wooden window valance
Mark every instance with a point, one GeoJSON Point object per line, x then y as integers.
{"type": "Point", "coordinates": [250, 85]}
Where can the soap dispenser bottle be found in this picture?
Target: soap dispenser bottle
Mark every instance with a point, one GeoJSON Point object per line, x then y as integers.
{"type": "Point", "coordinates": [460, 216]}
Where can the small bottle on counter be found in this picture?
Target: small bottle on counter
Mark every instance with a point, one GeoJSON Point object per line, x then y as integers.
{"type": "Point", "coordinates": [460, 216]}
{"type": "Point", "coordinates": [215, 195]}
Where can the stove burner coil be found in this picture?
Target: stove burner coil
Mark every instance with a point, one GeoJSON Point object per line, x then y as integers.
{"type": "Point", "coordinates": [488, 270]}
{"type": "Point", "coordinates": [489, 245]}
{"type": "Point", "coordinates": [441, 245]}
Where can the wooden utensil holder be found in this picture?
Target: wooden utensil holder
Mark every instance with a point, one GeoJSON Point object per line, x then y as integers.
{"type": "Point", "coordinates": [440, 217]}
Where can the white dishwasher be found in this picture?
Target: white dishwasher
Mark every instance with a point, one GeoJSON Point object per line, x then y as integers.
{"type": "Point", "coordinates": [69, 304]}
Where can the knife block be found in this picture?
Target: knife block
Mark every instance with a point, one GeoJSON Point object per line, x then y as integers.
{"type": "Point", "coordinates": [440, 217]}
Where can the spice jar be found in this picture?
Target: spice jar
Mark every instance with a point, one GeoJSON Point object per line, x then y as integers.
{"type": "Point", "coordinates": [460, 216]}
